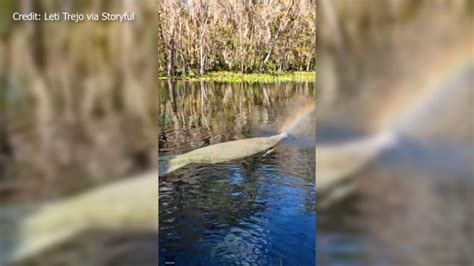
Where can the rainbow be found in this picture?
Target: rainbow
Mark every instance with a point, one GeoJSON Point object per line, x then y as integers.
{"type": "Point", "coordinates": [299, 116]}
{"type": "Point", "coordinates": [413, 95]}
{"type": "Point", "coordinates": [414, 91]}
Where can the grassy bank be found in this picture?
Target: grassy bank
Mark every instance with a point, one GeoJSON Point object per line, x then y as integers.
{"type": "Point", "coordinates": [223, 76]}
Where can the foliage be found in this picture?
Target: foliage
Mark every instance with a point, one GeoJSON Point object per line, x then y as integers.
{"type": "Point", "coordinates": [197, 36]}
{"type": "Point", "coordinates": [272, 76]}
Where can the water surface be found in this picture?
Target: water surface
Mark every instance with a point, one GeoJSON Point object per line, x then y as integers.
{"type": "Point", "coordinates": [258, 210]}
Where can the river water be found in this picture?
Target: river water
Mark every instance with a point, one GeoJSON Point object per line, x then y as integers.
{"type": "Point", "coordinates": [258, 210]}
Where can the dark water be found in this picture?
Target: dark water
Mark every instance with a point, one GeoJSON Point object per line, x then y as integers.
{"type": "Point", "coordinates": [340, 238]}
{"type": "Point", "coordinates": [259, 210]}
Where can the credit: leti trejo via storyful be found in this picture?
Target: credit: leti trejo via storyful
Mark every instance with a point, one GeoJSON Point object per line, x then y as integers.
{"type": "Point", "coordinates": [73, 17]}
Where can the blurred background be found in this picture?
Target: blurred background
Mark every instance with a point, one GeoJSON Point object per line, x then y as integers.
{"type": "Point", "coordinates": [78, 107]}
{"type": "Point", "coordinates": [403, 69]}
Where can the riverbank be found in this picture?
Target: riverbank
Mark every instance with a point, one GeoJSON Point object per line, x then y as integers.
{"type": "Point", "coordinates": [225, 76]}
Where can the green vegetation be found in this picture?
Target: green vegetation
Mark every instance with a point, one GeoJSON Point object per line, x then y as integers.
{"type": "Point", "coordinates": [276, 76]}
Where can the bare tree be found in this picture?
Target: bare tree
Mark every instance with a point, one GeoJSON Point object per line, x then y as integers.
{"type": "Point", "coordinates": [197, 36]}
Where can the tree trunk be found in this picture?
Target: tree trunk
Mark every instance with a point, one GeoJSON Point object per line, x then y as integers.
{"type": "Point", "coordinates": [270, 50]}
{"type": "Point", "coordinates": [308, 65]}
{"type": "Point", "coordinates": [275, 38]}
{"type": "Point", "coordinates": [184, 66]}
{"type": "Point", "coordinates": [201, 60]}
{"type": "Point", "coordinates": [170, 61]}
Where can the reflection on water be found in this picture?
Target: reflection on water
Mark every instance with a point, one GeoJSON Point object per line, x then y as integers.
{"type": "Point", "coordinates": [254, 210]}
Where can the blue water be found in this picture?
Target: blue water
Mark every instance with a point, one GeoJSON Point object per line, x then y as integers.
{"type": "Point", "coordinates": [234, 215]}
{"type": "Point", "coordinates": [259, 210]}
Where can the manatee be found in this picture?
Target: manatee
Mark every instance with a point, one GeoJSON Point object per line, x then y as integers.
{"type": "Point", "coordinates": [126, 206]}
{"type": "Point", "coordinates": [335, 163]}
{"type": "Point", "coordinates": [219, 153]}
